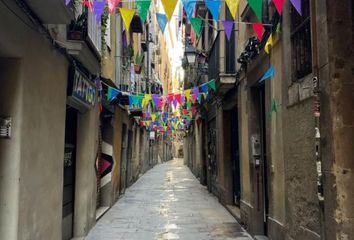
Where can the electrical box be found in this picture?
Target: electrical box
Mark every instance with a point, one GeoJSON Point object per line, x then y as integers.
{"type": "Point", "coordinates": [5, 127]}
{"type": "Point", "coordinates": [256, 145]}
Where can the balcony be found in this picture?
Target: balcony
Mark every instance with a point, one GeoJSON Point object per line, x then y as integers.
{"type": "Point", "coordinates": [222, 65]}
{"type": "Point", "coordinates": [52, 11]}
{"type": "Point", "coordinates": [85, 46]}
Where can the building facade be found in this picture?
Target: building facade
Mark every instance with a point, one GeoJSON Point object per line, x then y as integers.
{"type": "Point", "coordinates": [67, 153]}
{"type": "Point", "coordinates": [271, 151]}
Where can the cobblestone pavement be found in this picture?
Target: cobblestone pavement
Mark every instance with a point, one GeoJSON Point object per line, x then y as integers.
{"type": "Point", "coordinates": [168, 203]}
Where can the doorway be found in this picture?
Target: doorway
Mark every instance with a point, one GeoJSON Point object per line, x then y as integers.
{"type": "Point", "coordinates": [69, 173]}
{"type": "Point", "coordinates": [259, 158]}
{"type": "Point", "coordinates": [123, 170]}
{"type": "Point", "coordinates": [235, 158]}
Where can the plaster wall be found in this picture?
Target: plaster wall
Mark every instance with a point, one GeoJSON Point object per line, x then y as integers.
{"type": "Point", "coordinates": [10, 149]}
{"type": "Point", "coordinates": [85, 179]}
{"type": "Point", "coordinates": [37, 152]}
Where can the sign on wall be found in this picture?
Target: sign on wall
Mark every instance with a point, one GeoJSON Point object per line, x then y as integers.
{"type": "Point", "coordinates": [81, 91]}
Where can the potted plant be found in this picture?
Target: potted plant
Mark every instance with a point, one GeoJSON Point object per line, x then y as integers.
{"type": "Point", "coordinates": [138, 63]}
{"type": "Point", "coordinates": [77, 27]}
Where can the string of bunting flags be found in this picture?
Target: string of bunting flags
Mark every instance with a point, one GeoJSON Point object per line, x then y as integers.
{"type": "Point", "coordinates": [214, 6]}
{"type": "Point", "coordinates": [184, 106]}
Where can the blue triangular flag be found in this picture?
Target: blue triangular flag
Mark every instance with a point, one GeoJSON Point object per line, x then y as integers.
{"type": "Point", "coordinates": [204, 88]}
{"type": "Point", "coordinates": [162, 20]}
{"type": "Point", "coordinates": [214, 8]}
{"type": "Point", "coordinates": [131, 101]}
{"type": "Point", "coordinates": [189, 6]}
{"type": "Point", "coordinates": [269, 73]}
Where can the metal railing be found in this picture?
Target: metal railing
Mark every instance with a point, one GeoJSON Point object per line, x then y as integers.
{"type": "Point", "coordinates": [94, 32]}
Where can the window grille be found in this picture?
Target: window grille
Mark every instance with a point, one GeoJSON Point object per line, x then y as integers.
{"type": "Point", "coordinates": [301, 50]}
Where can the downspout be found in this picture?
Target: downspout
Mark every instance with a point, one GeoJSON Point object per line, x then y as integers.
{"type": "Point", "coordinates": [317, 114]}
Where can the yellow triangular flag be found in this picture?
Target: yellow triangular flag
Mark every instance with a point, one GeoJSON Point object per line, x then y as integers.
{"type": "Point", "coordinates": [147, 123]}
{"type": "Point", "coordinates": [233, 6]}
{"type": "Point", "coordinates": [148, 97]}
{"type": "Point", "coordinates": [187, 94]}
{"type": "Point", "coordinates": [169, 6]}
{"type": "Point", "coordinates": [127, 16]}
{"type": "Point", "coordinates": [268, 44]}
{"type": "Point", "coordinates": [146, 100]}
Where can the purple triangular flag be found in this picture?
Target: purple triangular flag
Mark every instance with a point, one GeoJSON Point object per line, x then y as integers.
{"type": "Point", "coordinates": [67, 2]}
{"type": "Point", "coordinates": [156, 99]}
{"type": "Point", "coordinates": [228, 27]}
{"type": "Point", "coordinates": [195, 91]}
{"type": "Point", "coordinates": [297, 5]}
{"type": "Point", "coordinates": [98, 9]}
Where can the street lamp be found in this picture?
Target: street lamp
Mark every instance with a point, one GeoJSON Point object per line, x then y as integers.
{"type": "Point", "coordinates": [191, 54]}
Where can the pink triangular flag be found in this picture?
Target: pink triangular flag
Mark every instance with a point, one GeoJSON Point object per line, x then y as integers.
{"type": "Point", "coordinates": [258, 28]}
{"type": "Point", "coordinates": [112, 4]}
{"type": "Point", "coordinates": [228, 27]}
{"type": "Point", "coordinates": [278, 5]}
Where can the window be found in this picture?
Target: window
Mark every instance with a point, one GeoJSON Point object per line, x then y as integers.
{"type": "Point", "coordinates": [301, 53]}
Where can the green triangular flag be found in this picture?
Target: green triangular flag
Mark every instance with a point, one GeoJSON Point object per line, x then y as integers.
{"type": "Point", "coordinates": [212, 84]}
{"type": "Point", "coordinates": [197, 25]}
{"type": "Point", "coordinates": [256, 6]}
{"type": "Point", "coordinates": [200, 98]}
{"type": "Point", "coordinates": [189, 105]}
{"type": "Point", "coordinates": [143, 8]}
{"type": "Point", "coordinates": [274, 106]}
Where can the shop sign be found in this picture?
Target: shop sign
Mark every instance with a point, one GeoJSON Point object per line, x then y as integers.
{"type": "Point", "coordinates": [82, 91]}
{"type": "Point", "coordinates": [152, 135]}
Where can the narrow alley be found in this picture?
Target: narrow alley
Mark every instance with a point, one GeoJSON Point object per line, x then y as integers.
{"type": "Point", "coordinates": [167, 202]}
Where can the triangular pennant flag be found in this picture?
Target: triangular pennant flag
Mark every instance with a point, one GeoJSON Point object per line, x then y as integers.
{"type": "Point", "coordinates": [67, 2]}
{"type": "Point", "coordinates": [88, 4]}
{"type": "Point", "coordinates": [274, 106]}
{"type": "Point", "coordinates": [269, 73]}
{"type": "Point", "coordinates": [195, 91]}
{"type": "Point", "coordinates": [297, 5]}
{"type": "Point", "coordinates": [162, 20]}
{"type": "Point", "coordinates": [228, 27]}
{"type": "Point", "coordinates": [258, 28]}
{"type": "Point", "coordinates": [127, 16]}
{"type": "Point", "coordinates": [169, 6]}
{"type": "Point", "coordinates": [189, 6]}
{"type": "Point", "coordinates": [257, 6]}
{"type": "Point", "coordinates": [200, 98]}
{"type": "Point", "coordinates": [112, 4]}
{"type": "Point", "coordinates": [204, 88]}
{"type": "Point", "coordinates": [197, 25]}
{"type": "Point", "coordinates": [214, 8]}
{"type": "Point", "coordinates": [156, 100]}
{"type": "Point", "coordinates": [189, 105]}
{"type": "Point", "coordinates": [112, 93]}
{"type": "Point", "coordinates": [179, 98]}
{"type": "Point", "coordinates": [212, 84]}
{"type": "Point", "coordinates": [194, 109]}
{"type": "Point", "coordinates": [98, 9]}
{"type": "Point", "coordinates": [131, 102]}
{"type": "Point", "coordinates": [278, 5]}
{"type": "Point", "coordinates": [143, 8]}
{"type": "Point", "coordinates": [233, 6]}
{"type": "Point", "coordinates": [187, 94]}
{"type": "Point", "coordinates": [268, 44]}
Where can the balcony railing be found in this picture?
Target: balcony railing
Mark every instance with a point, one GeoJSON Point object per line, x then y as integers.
{"type": "Point", "coordinates": [94, 32]}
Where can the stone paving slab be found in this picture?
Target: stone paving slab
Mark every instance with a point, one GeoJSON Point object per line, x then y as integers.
{"type": "Point", "coordinates": [168, 203]}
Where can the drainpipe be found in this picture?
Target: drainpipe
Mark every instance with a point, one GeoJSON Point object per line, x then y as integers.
{"type": "Point", "coordinates": [317, 114]}
{"type": "Point", "coordinates": [118, 53]}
